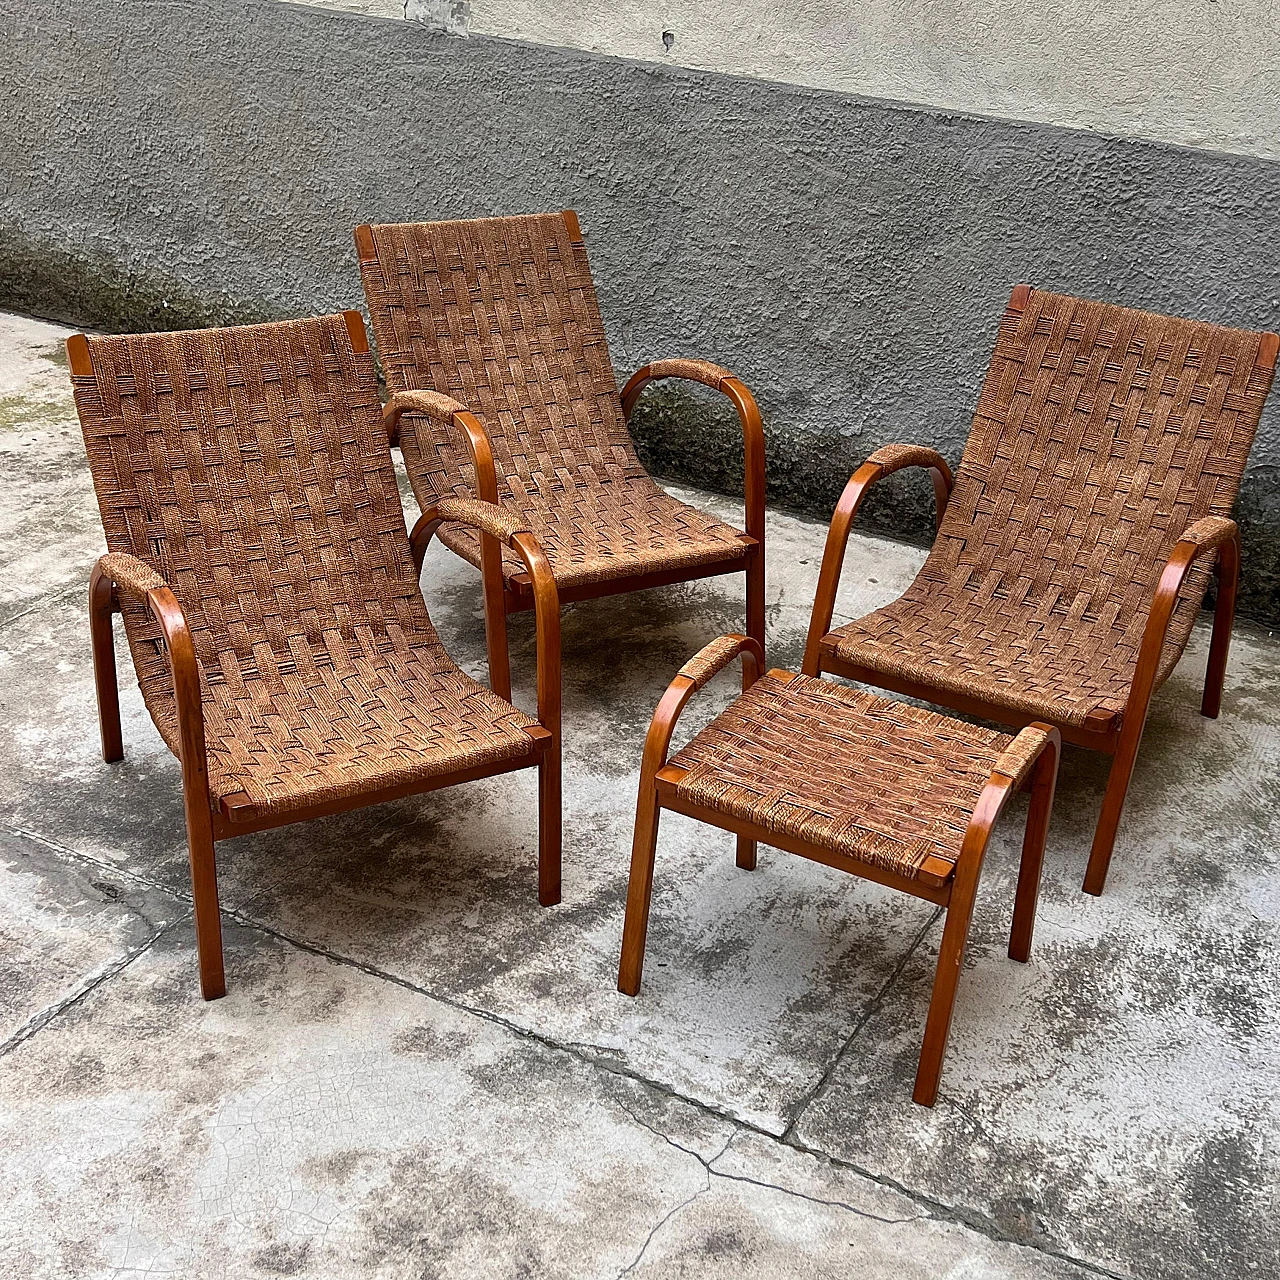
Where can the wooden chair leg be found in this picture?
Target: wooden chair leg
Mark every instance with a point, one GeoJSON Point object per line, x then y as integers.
{"type": "Point", "coordinates": [549, 827]}
{"type": "Point", "coordinates": [204, 891]}
{"type": "Point", "coordinates": [746, 858]}
{"type": "Point", "coordinates": [102, 639]}
{"type": "Point", "coordinates": [755, 599]}
{"type": "Point", "coordinates": [950, 957]}
{"type": "Point", "coordinates": [644, 845]}
{"type": "Point", "coordinates": [1104, 837]}
{"type": "Point", "coordinates": [1224, 613]}
{"type": "Point", "coordinates": [1043, 782]}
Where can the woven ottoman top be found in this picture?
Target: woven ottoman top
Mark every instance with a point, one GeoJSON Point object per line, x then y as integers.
{"type": "Point", "coordinates": [883, 782]}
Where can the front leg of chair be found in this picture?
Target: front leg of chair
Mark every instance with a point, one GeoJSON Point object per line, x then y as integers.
{"type": "Point", "coordinates": [195, 789]}
{"type": "Point", "coordinates": [1227, 571]}
{"type": "Point", "coordinates": [102, 604]}
{"type": "Point", "coordinates": [644, 845]}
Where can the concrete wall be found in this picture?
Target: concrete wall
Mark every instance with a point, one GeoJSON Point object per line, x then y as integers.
{"type": "Point", "coordinates": [206, 160]}
{"type": "Point", "coordinates": [1196, 72]}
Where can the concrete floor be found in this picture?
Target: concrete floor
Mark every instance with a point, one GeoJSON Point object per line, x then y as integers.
{"type": "Point", "coordinates": [419, 1072]}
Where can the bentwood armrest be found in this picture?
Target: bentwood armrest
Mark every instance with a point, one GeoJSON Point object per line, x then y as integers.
{"type": "Point", "coordinates": [507, 527]}
{"type": "Point", "coordinates": [449, 412]}
{"type": "Point", "coordinates": [884, 461]}
{"type": "Point", "coordinates": [719, 379]}
{"type": "Point", "coordinates": [139, 579]}
{"type": "Point", "coordinates": [706, 663]}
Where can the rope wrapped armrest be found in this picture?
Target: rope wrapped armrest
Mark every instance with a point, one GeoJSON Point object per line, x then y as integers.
{"type": "Point", "coordinates": [893, 457]}
{"type": "Point", "coordinates": [489, 517]}
{"type": "Point", "coordinates": [692, 370]}
{"type": "Point", "coordinates": [711, 659]}
{"type": "Point", "coordinates": [1017, 759]}
{"type": "Point", "coordinates": [431, 403]}
{"type": "Point", "coordinates": [128, 571]}
{"type": "Point", "coordinates": [1208, 533]}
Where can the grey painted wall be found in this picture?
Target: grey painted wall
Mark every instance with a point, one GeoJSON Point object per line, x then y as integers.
{"type": "Point", "coordinates": [206, 159]}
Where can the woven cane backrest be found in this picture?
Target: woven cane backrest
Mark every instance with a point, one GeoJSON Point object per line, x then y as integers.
{"type": "Point", "coordinates": [1101, 433]}
{"type": "Point", "coordinates": [248, 467]}
{"type": "Point", "coordinates": [500, 314]}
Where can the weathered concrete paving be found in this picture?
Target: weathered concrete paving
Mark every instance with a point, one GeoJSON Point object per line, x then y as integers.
{"type": "Point", "coordinates": [420, 1072]}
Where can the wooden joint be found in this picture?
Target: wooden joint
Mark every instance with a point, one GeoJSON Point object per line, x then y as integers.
{"type": "Point", "coordinates": [1019, 297]}
{"type": "Point", "coordinates": [78, 356]}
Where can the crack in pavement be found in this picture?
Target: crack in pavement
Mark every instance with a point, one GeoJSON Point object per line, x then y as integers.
{"type": "Point", "coordinates": [934, 1210]}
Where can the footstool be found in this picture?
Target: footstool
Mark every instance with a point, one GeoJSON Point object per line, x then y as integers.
{"type": "Point", "coordinates": [878, 788]}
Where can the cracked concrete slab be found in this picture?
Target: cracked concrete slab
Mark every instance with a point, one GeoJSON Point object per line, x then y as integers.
{"type": "Point", "coordinates": [323, 1122]}
{"type": "Point", "coordinates": [1133, 1062]}
{"type": "Point", "coordinates": [1112, 1102]}
{"type": "Point", "coordinates": [65, 926]}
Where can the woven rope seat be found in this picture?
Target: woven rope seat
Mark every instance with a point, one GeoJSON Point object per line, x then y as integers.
{"type": "Point", "coordinates": [1101, 435]}
{"type": "Point", "coordinates": [602, 531]}
{"type": "Point", "coordinates": [246, 466]}
{"type": "Point", "coordinates": [881, 781]}
{"type": "Point", "coordinates": [501, 315]}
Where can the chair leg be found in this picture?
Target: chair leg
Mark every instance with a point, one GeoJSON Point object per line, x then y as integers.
{"type": "Point", "coordinates": [746, 858]}
{"type": "Point", "coordinates": [1104, 837]}
{"type": "Point", "coordinates": [102, 640]}
{"type": "Point", "coordinates": [549, 827]}
{"type": "Point", "coordinates": [950, 957]}
{"type": "Point", "coordinates": [1043, 781]}
{"type": "Point", "coordinates": [1224, 612]}
{"type": "Point", "coordinates": [644, 846]}
{"type": "Point", "coordinates": [204, 891]}
{"type": "Point", "coordinates": [755, 598]}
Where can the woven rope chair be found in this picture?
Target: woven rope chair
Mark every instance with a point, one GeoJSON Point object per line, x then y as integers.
{"type": "Point", "coordinates": [500, 314]}
{"type": "Point", "coordinates": [1075, 548]}
{"type": "Point", "coordinates": [258, 554]}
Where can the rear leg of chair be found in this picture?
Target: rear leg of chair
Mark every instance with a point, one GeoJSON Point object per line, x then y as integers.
{"type": "Point", "coordinates": [1104, 837]}
{"type": "Point", "coordinates": [746, 858]}
{"type": "Point", "coordinates": [1224, 613]}
{"type": "Point", "coordinates": [755, 598]}
{"type": "Point", "coordinates": [102, 640]}
{"type": "Point", "coordinates": [204, 892]}
{"type": "Point", "coordinates": [1043, 781]}
{"type": "Point", "coordinates": [644, 846]}
{"type": "Point", "coordinates": [950, 958]}
{"type": "Point", "coordinates": [549, 827]}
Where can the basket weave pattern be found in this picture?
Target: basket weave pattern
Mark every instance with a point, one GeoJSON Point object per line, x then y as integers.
{"type": "Point", "coordinates": [1101, 434]}
{"type": "Point", "coordinates": [247, 468]}
{"type": "Point", "coordinates": [877, 780]}
{"type": "Point", "coordinates": [501, 314]}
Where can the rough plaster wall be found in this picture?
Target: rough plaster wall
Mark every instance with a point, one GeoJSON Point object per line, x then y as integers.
{"type": "Point", "coordinates": [205, 160]}
{"type": "Point", "coordinates": [1202, 73]}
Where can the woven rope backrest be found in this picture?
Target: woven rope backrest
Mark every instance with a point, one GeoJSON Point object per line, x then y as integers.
{"type": "Point", "coordinates": [248, 466]}
{"type": "Point", "coordinates": [1100, 434]}
{"type": "Point", "coordinates": [501, 314]}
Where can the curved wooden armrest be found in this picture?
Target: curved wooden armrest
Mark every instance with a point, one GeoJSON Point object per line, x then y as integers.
{"type": "Point", "coordinates": [713, 375]}
{"type": "Point", "coordinates": [884, 461]}
{"type": "Point", "coordinates": [695, 673]}
{"type": "Point", "coordinates": [1204, 537]}
{"type": "Point", "coordinates": [507, 527]}
{"type": "Point", "coordinates": [139, 578]}
{"type": "Point", "coordinates": [448, 412]}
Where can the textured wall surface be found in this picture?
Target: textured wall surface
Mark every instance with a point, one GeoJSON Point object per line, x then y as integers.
{"type": "Point", "coordinates": [1197, 72]}
{"type": "Point", "coordinates": [202, 160]}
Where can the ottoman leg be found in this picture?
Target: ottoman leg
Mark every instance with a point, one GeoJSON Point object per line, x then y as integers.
{"type": "Point", "coordinates": [746, 858]}
{"type": "Point", "coordinates": [950, 957]}
{"type": "Point", "coordinates": [639, 887]}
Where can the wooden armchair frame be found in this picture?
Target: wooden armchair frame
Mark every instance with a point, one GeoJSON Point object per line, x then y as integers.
{"type": "Point", "coordinates": [1203, 537]}
{"type": "Point", "coordinates": [508, 593]}
{"type": "Point", "coordinates": [209, 818]}
{"type": "Point", "coordinates": [939, 882]}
